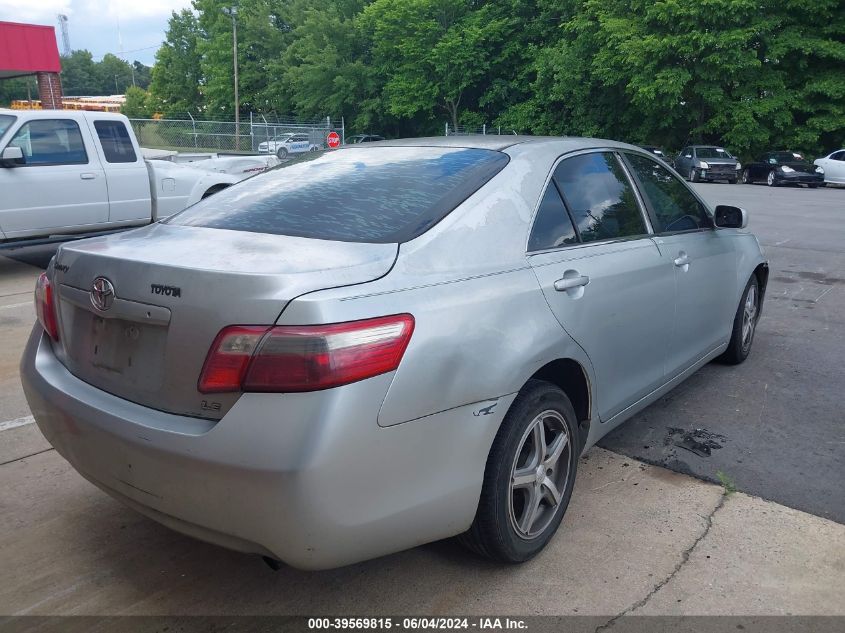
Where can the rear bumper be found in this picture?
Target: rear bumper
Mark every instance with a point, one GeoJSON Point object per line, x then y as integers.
{"type": "Point", "coordinates": [310, 479]}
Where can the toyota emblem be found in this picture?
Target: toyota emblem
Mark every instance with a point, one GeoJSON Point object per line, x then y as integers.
{"type": "Point", "coordinates": [102, 294]}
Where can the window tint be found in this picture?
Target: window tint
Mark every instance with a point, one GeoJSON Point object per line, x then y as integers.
{"type": "Point", "coordinates": [675, 207]}
{"type": "Point", "coordinates": [838, 156]}
{"type": "Point", "coordinates": [117, 146]}
{"type": "Point", "coordinates": [51, 142]}
{"type": "Point", "coordinates": [552, 226]}
{"type": "Point", "coordinates": [360, 194]}
{"type": "Point", "coordinates": [599, 197]}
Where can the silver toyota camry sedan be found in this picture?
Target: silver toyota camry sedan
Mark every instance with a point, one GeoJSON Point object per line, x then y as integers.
{"type": "Point", "coordinates": [388, 344]}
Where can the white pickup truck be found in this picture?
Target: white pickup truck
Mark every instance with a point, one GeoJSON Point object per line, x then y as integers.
{"type": "Point", "coordinates": [66, 172]}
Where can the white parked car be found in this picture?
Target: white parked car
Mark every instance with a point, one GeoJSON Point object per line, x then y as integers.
{"type": "Point", "coordinates": [286, 144]}
{"type": "Point", "coordinates": [834, 167]}
{"type": "Point", "coordinates": [64, 172]}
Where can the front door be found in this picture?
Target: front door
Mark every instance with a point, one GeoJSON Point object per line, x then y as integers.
{"type": "Point", "coordinates": [604, 278]}
{"type": "Point", "coordinates": [60, 185]}
{"type": "Point", "coordinates": [703, 259]}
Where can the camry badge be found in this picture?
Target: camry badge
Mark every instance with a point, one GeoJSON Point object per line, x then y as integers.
{"type": "Point", "coordinates": [102, 294]}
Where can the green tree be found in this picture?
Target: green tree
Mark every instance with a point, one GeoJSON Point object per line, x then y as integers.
{"type": "Point", "coordinates": [432, 54]}
{"type": "Point", "coordinates": [80, 76]}
{"type": "Point", "coordinates": [177, 79]}
{"type": "Point", "coordinates": [137, 105]}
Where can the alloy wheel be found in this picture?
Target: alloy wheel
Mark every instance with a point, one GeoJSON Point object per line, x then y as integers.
{"type": "Point", "coordinates": [749, 317]}
{"type": "Point", "coordinates": [539, 474]}
{"type": "Point", "coordinates": [770, 179]}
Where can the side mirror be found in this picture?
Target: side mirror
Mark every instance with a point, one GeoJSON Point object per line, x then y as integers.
{"type": "Point", "coordinates": [12, 156]}
{"type": "Point", "coordinates": [731, 217]}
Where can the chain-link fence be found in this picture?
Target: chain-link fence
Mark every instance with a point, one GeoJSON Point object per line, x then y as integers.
{"type": "Point", "coordinates": [255, 134]}
{"type": "Point", "coordinates": [462, 130]}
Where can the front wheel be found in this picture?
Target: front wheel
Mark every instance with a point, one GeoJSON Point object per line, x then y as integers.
{"type": "Point", "coordinates": [693, 176]}
{"type": "Point", "coordinates": [529, 476]}
{"type": "Point", "coordinates": [281, 153]}
{"type": "Point", "coordinates": [745, 324]}
{"type": "Point", "coordinates": [746, 178]}
{"type": "Point", "coordinates": [770, 179]}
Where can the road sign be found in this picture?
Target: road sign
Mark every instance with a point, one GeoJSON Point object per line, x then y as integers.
{"type": "Point", "coordinates": [333, 140]}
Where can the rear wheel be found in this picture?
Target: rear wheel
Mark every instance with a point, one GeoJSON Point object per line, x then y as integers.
{"type": "Point", "coordinates": [770, 179]}
{"type": "Point", "coordinates": [745, 324]}
{"type": "Point", "coordinates": [281, 153]}
{"type": "Point", "coordinates": [746, 178]}
{"type": "Point", "coordinates": [529, 476]}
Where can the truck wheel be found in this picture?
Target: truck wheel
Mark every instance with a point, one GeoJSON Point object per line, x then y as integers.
{"type": "Point", "coordinates": [529, 476]}
{"type": "Point", "coordinates": [281, 153]}
{"type": "Point", "coordinates": [212, 190]}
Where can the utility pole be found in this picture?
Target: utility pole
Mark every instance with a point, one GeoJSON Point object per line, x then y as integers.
{"type": "Point", "coordinates": [233, 12]}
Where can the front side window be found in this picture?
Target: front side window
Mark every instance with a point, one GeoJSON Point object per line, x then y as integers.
{"type": "Point", "coordinates": [5, 121]}
{"type": "Point", "coordinates": [51, 142]}
{"type": "Point", "coordinates": [599, 197]}
{"type": "Point", "coordinates": [675, 208]}
{"type": "Point", "coordinates": [552, 227]}
{"type": "Point", "coordinates": [117, 146]}
{"type": "Point", "coordinates": [356, 194]}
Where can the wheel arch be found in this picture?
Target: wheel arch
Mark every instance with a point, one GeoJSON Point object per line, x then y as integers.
{"type": "Point", "coordinates": [573, 379]}
{"type": "Point", "coordinates": [761, 272]}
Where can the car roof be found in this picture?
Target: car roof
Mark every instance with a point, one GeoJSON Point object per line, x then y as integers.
{"type": "Point", "coordinates": [64, 114]}
{"type": "Point", "coordinates": [501, 142]}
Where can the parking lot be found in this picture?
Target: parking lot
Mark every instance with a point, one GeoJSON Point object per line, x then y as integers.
{"type": "Point", "coordinates": [638, 537]}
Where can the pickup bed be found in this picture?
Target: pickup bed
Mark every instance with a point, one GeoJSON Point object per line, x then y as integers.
{"type": "Point", "coordinates": [68, 172]}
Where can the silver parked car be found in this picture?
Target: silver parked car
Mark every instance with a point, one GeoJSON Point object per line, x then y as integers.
{"type": "Point", "coordinates": [387, 344]}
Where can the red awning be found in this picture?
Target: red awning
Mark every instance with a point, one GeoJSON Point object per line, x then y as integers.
{"type": "Point", "coordinates": [27, 49]}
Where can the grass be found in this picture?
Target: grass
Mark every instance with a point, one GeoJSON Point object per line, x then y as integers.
{"type": "Point", "coordinates": [726, 481]}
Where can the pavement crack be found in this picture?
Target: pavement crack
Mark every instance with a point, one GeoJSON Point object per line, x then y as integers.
{"type": "Point", "coordinates": [684, 559]}
{"type": "Point", "coordinates": [12, 461]}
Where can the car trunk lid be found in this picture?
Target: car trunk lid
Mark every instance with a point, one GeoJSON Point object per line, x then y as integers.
{"type": "Point", "coordinates": [166, 291]}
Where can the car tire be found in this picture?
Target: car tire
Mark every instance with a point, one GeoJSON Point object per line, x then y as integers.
{"type": "Point", "coordinates": [770, 179]}
{"type": "Point", "coordinates": [746, 178]}
{"type": "Point", "coordinates": [693, 177]}
{"type": "Point", "coordinates": [281, 153]}
{"type": "Point", "coordinates": [745, 324]}
{"type": "Point", "coordinates": [516, 519]}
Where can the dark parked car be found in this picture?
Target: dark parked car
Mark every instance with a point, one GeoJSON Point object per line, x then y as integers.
{"type": "Point", "coordinates": [702, 163]}
{"type": "Point", "coordinates": [657, 151]}
{"type": "Point", "coordinates": [783, 168]}
{"type": "Point", "coordinates": [364, 138]}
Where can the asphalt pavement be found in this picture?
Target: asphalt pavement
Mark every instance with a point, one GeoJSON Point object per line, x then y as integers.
{"type": "Point", "coordinates": [775, 425]}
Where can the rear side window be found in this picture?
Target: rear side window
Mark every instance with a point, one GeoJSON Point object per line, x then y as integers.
{"type": "Point", "coordinates": [51, 142]}
{"type": "Point", "coordinates": [117, 146]}
{"type": "Point", "coordinates": [599, 197]}
{"type": "Point", "coordinates": [552, 227]}
{"type": "Point", "coordinates": [367, 194]}
{"type": "Point", "coordinates": [675, 208]}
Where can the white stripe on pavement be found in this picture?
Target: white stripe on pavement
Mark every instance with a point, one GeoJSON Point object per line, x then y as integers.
{"type": "Point", "coordinates": [12, 424]}
{"type": "Point", "coordinates": [16, 305]}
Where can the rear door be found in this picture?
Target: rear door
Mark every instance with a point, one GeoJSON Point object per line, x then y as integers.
{"type": "Point", "coordinates": [61, 184]}
{"type": "Point", "coordinates": [703, 260]}
{"type": "Point", "coordinates": [125, 170]}
{"type": "Point", "coordinates": [603, 277]}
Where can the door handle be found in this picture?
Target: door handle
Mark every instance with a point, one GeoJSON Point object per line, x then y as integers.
{"type": "Point", "coordinates": [682, 259]}
{"type": "Point", "coordinates": [87, 175]}
{"type": "Point", "coordinates": [567, 283]}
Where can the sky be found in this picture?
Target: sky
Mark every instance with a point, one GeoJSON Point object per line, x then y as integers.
{"type": "Point", "coordinates": [93, 24]}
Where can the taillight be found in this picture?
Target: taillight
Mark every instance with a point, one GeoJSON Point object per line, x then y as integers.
{"type": "Point", "coordinates": [45, 306]}
{"type": "Point", "coordinates": [304, 357]}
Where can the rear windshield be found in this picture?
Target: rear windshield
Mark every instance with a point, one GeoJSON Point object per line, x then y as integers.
{"type": "Point", "coordinates": [367, 194]}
